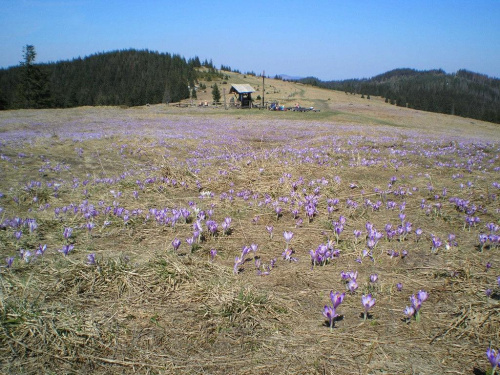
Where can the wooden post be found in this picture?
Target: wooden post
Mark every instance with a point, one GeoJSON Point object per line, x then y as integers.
{"type": "Point", "coordinates": [263, 90]}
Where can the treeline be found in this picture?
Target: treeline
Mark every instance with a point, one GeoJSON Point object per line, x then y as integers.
{"type": "Point", "coordinates": [128, 77]}
{"type": "Point", "coordinates": [463, 93]}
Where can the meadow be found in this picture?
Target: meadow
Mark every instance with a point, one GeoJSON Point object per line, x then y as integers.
{"type": "Point", "coordinates": [362, 239]}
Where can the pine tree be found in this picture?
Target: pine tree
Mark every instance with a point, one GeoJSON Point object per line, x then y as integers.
{"type": "Point", "coordinates": [33, 90]}
{"type": "Point", "coordinates": [216, 93]}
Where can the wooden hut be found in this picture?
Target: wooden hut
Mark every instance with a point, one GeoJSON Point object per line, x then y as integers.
{"type": "Point", "coordinates": [244, 94]}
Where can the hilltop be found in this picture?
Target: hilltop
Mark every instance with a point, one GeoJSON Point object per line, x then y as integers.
{"type": "Point", "coordinates": [463, 93]}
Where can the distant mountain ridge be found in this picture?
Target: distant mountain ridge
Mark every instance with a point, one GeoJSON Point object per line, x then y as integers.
{"type": "Point", "coordinates": [463, 93]}
{"type": "Point", "coordinates": [286, 77]}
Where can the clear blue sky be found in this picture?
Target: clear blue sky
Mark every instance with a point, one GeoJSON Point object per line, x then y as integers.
{"type": "Point", "coordinates": [327, 39]}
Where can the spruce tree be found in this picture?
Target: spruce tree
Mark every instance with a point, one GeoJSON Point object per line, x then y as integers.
{"type": "Point", "coordinates": [216, 93]}
{"type": "Point", "coordinates": [33, 90]}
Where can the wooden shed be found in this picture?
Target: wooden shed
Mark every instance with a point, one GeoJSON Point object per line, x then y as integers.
{"type": "Point", "coordinates": [244, 93]}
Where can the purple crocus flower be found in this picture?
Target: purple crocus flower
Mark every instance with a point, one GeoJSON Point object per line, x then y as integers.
{"type": "Point", "coordinates": [18, 234]}
{"type": "Point", "coordinates": [418, 233]}
{"type": "Point", "coordinates": [91, 259]}
{"type": "Point", "coordinates": [436, 243]}
{"type": "Point", "coordinates": [399, 287]}
{"type": "Point", "coordinates": [422, 295]}
{"type": "Point", "coordinates": [270, 230]}
{"type": "Point", "coordinates": [368, 302]}
{"type": "Point", "coordinates": [213, 254]}
{"type": "Point", "coordinates": [32, 225]}
{"type": "Point", "coordinates": [278, 210]}
{"type": "Point", "coordinates": [288, 236]}
{"type": "Point", "coordinates": [415, 302]}
{"type": "Point", "coordinates": [393, 253]}
{"type": "Point", "coordinates": [368, 254]}
{"type": "Point", "coordinates": [41, 249]}
{"type": "Point", "coordinates": [257, 263]}
{"type": "Point", "coordinates": [245, 251]}
{"type": "Point", "coordinates": [493, 357]}
{"type": "Point", "coordinates": [352, 285]}
{"type": "Point", "coordinates": [9, 261]}
{"type": "Point", "coordinates": [330, 313]}
{"type": "Point", "coordinates": [67, 232]}
{"type": "Point", "coordinates": [176, 243]}
{"type": "Point", "coordinates": [336, 298]}
{"type": "Point", "coordinates": [238, 261]}
{"type": "Point", "coordinates": [66, 249]}
{"type": "Point", "coordinates": [409, 311]}
{"type": "Point", "coordinates": [25, 255]}
{"type": "Point", "coordinates": [254, 248]}
{"type": "Point", "coordinates": [226, 225]}
{"type": "Point", "coordinates": [287, 255]}
{"type": "Point", "coordinates": [357, 233]}
{"type": "Point", "coordinates": [373, 278]}
{"type": "Point", "coordinates": [488, 292]}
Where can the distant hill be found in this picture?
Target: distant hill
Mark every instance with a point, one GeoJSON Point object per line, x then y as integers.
{"type": "Point", "coordinates": [128, 77]}
{"type": "Point", "coordinates": [463, 93]}
{"type": "Point", "coordinates": [287, 77]}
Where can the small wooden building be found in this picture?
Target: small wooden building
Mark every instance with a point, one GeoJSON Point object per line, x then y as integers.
{"type": "Point", "coordinates": [244, 93]}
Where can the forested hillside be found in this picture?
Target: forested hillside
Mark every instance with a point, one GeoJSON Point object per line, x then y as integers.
{"type": "Point", "coordinates": [464, 93]}
{"type": "Point", "coordinates": [129, 77]}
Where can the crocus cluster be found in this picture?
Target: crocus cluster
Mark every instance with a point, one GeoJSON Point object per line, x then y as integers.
{"type": "Point", "coordinates": [491, 239]}
{"type": "Point", "coordinates": [416, 303]}
{"type": "Point", "coordinates": [226, 225]}
{"type": "Point", "coordinates": [350, 279]}
{"type": "Point", "coordinates": [323, 254]}
{"type": "Point", "coordinates": [330, 312]}
{"type": "Point", "coordinates": [212, 227]}
{"type": "Point", "coordinates": [372, 236]}
{"type": "Point", "coordinates": [239, 260]}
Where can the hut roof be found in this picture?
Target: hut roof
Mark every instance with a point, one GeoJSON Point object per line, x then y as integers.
{"type": "Point", "coordinates": [241, 88]}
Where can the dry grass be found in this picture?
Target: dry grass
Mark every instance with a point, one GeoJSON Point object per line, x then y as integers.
{"type": "Point", "coordinates": [146, 309]}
